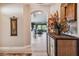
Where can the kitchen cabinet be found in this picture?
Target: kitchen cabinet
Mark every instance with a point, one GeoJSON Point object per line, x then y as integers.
{"type": "Point", "coordinates": [66, 47]}
{"type": "Point", "coordinates": [63, 45]}
{"type": "Point", "coordinates": [68, 11]}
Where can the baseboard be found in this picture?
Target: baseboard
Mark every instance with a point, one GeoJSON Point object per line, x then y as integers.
{"type": "Point", "coordinates": [2, 48]}
{"type": "Point", "coordinates": [25, 49]}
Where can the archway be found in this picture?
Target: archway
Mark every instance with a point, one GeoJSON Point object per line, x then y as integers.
{"type": "Point", "coordinates": [38, 31]}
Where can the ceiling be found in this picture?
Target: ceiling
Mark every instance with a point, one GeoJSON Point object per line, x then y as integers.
{"type": "Point", "coordinates": [38, 17]}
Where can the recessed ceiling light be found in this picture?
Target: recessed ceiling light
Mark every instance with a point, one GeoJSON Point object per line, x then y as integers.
{"type": "Point", "coordinates": [39, 12]}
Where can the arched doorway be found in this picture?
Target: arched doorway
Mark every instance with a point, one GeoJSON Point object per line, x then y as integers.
{"type": "Point", "coordinates": [38, 32]}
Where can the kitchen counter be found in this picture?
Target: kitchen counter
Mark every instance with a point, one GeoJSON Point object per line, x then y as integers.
{"type": "Point", "coordinates": [65, 45]}
{"type": "Point", "coordinates": [67, 36]}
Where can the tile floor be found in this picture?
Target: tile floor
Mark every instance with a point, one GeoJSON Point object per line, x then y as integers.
{"type": "Point", "coordinates": [38, 45]}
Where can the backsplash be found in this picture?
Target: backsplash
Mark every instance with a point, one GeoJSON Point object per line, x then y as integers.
{"type": "Point", "coordinates": [72, 27]}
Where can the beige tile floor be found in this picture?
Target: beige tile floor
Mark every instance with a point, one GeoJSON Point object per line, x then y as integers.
{"type": "Point", "coordinates": [38, 45]}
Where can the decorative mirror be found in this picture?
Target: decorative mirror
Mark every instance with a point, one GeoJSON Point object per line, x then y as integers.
{"type": "Point", "coordinates": [13, 23]}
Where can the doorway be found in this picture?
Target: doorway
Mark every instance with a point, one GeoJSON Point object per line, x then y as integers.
{"type": "Point", "coordinates": [38, 33]}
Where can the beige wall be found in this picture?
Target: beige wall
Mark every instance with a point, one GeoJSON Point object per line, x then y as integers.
{"type": "Point", "coordinates": [0, 27]}
{"type": "Point", "coordinates": [7, 11]}
{"type": "Point", "coordinates": [27, 24]}
{"type": "Point", "coordinates": [23, 13]}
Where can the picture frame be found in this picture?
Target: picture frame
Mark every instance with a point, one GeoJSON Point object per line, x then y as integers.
{"type": "Point", "coordinates": [13, 23]}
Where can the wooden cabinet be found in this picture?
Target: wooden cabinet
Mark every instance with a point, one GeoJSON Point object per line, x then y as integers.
{"type": "Point", "coordinates": [68, 11]}
{"type": "Point", "coordinates": [63, 45]}
{"type": "Point", "coordinates": [71, 12]}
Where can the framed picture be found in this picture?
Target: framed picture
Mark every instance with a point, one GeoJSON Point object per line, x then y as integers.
{"type": "Point", "coordinates": [13, 23]}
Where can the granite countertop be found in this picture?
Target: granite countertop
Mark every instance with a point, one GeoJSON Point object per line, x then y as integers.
{"type": "Point", "coordinates": [65, 36]}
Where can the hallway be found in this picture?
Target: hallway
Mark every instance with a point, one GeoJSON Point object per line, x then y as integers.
{"type": "Point", "coordinates": [39, 45]}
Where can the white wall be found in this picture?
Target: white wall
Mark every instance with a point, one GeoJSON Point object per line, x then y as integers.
{"type": "Point", "coordinates": [55, 7]}
{"type": "Point", "coordinates": [22, 39]}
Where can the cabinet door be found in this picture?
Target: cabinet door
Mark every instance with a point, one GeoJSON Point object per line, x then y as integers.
{"type": "Point", "coordinates": [66, 47]}
{"type": "Point", "coordinates": [71, 12]}
{"type": "Point", "coordinates": [52, 47]}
